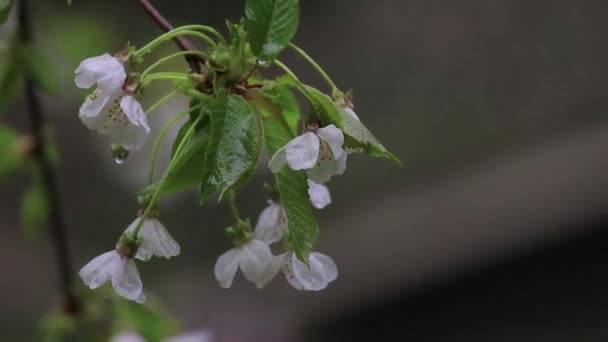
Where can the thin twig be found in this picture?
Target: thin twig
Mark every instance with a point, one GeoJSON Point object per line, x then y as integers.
{"type": "Point", "coordinates": [183, 42]}
{"type": "Point", "coordinates": [55, 219]}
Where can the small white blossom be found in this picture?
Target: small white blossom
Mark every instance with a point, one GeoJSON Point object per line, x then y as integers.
{"type": "Point", "coordinates": [120, 270]}
{"type": "Point", "coordinates": [251, 257]}
{"type": "Point", "coordinates": [195, 336]}
{"type": "Point", "coordinates": [109, 109]}
{"type": "Point", "coordinates": [319, 195]}
{"type": "Point", "coordinates": [314, 276]}
{"type": "Point", "coordinates": [156, 240]}
{"type": "Point", "coordinates": [319, 152]}
{"type": "Point", "coordinates": [271, 223]}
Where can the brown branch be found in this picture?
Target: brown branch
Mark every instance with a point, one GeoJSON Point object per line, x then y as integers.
{"type": "Point", "coordinates": [55, 219]}
{"type": "Point", "coordinates": [183, 42]}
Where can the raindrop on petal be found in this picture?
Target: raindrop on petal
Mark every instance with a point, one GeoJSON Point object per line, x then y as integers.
{"type": "Point", "coordinates": [119, 154]}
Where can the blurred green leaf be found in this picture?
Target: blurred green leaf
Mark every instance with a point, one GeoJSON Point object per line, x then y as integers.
{"type": "Point", "coordinates": [41, 71]}
{"type": "Point", "coordinates": [11, 155]}
{"type": "Point", "coordinates": [271, 25]}
{"type": "Point", "coordinates": [58, 327]}
{"type": "Point", "coordinates": [292, 187]}
{"type": "Point", "coordinates": [5, 9]}
{"type": "Point", "coordinates": [10, 77]}
{"type": "Point", "coordinates": [235, 140]}
{"type": "Point", "coordinates": [147, 320]}
{"type": "Point", "coordinates": [34, 208]}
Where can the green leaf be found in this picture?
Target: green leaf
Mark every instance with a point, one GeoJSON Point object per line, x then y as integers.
{"type": "Point", "coordinates": [148, 320]}
{"type": "Point", "coordinates": [11, 154]}
{"type": "Point", "coordinates": [10, 76]}
{"type": "Point", "coordinates": [271, 25]}
{"type": "Point", "coordinates": [283, 98]}
{"type": "Point", "coordinates": [34, 208]}
{"type": "Point", "coordinates": [356, 135]}
{"type": "Point", "coordinates": [5, 9]}
{"type": "Point", "coordinates": [293, 189]}
{"type": "Point", "coordinates": [235, 140]}
{"type": "Point", "coordinates": [40, 70]}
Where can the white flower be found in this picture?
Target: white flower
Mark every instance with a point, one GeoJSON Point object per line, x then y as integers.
{"type": "Point", "coordinates": [318, 194]}
{"type": "Point", "coordinates": [120, 270]}
{"type": "Point", "coordinates": [252, 258]}
{"type": "Point", "coordinates": [271, 223]}
{"type": "Point", "coordinates": [196, 336]}
{"type": "Point", "coordinates": [320, 271]}
{"type": "Point", "coordinates": [156, 240]}
{"type": "Point", "coordinates": [319, 152]}
{"type": "Point", "coordinates": [109, 109]}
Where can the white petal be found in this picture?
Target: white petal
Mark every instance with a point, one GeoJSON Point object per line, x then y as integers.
{"type": "Point", "coordinates": [132, 109]}
{"type": "Point", "coordinates": [126, 281]}
{"type": "Point", "coordinates": [252, 260]}
{"type": "Point", "coordinates": [278, 160]}
{"type": "Point", "coordinates": [156, 241]}
{"type": "Point", "coordinates": [93, 105]}
{"type": "Point", "coordinates": [226, 266]}
{"type": "Point", "coordinates": [302, 152]}
{"type": "Point", "coordinates": [288, 271]}
{"type": "Point", "coordinates": [99, 270]}
{"type": "Point", "coordinates": [315, 276]}
{"type": "Point", "coordinates": [273, 266]}
{"type": "Point", "coordinates": [271, 224]}
{"type": "Point", "coordinates": [340, 164]}
{"type": "Point", "coordinates": [319, 194]}
{"type": "Point", "coordinates": [127, 337]}
{"type": "Point", "coordinates": [323, 172]}
{"type": "Point", "coordinates": [323, 265]}
{"type": "Point", "coordinates": [130, 137]}
{"type": "Point", "coordinates": [105, 71]}
{"type": "Point", "coordinates": [334, 137]}
{"type": "Point", "coordinates": [195, 336]}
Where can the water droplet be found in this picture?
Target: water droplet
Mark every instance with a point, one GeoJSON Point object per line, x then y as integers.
{"type": "Point", "coordinates": [262, 62]}
{"type": "Point", "coordinates": [119, 154]}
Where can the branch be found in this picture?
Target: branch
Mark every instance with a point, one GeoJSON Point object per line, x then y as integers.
{"type": "Point", "coordinates": [55, 219]}
{"type": "Point", "coordinates": [183, 42]}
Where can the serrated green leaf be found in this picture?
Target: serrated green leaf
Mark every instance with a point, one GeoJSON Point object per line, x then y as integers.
{"type": "Point", "coordinates": [34, 209]}
{"type": "Point", "coordinates": [5, 9]}
{"type": "Point", "coordinates": [283, 98]}
{"type": "Point", "coordinates": [235, 140]}
{"type": "Point", "coordinates": [293, 189]}
{"type": "Point", "coordinates": [11, 156]}
{"type": "Point", "coordinates": [356, 135]}
{"type": "Point", "coordinates": [271, 25]}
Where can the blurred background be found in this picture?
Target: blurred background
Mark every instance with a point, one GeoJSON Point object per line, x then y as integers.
{"type": "Point", "coordinates": [493, 230]}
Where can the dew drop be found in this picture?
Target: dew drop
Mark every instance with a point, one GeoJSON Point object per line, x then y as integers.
{"type": "Point", "coordinates": [119, 154]}
{"type": "Point", "coordinates": [262, 62]}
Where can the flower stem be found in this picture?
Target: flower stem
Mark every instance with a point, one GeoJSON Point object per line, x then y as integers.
{"type": "Point", "coordinates": [170, 35]}
{"type": "Point", "coordinates": [324, 75]}
{"type": "Point", "coordinates": [286, 69]}
{"type": "Point", "coordinates": [179, 149]}
{"type": "Point", "coordinates": [170, 57]}
{"type": "Point", "coordinates": [233, 209]}
{"type": "Point", "coordinates": [176, 76]}
{"type": "Point", "coordinates": [158, 140]}
{"type": "Point", "coordinates": [160, 102]}
{"type": "Point", "coordinates": [56, 223]}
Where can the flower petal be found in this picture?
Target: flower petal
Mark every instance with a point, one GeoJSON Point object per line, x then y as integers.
{"type": "Point", "coordinates": [271, 224]}
{"type": "Point", "coordinates": [252, 260]}
{"type": "Point", "coordinates": [99, 270]}
{"type": "Point", "coordinates": [195, 336]}
{"type": "Point", "coordinates": [288, 261]}
{"type": "Point", "coordinates": [126, 280]}
{"type": "Point", "coordinates": [132, 109]}
{"type": "Point", "coordinates": [105, 70]}
{"type": "Point", "coordinates": [302, 152]}
{"type": "Point", "coordinates": [127, 337]}
{"type": "Point", "coordinates": [278, 160]}
{"type": "Point", "coordinates": [315, 276]}
{"type": "Point", "coordinates": [319, 195]}
{"type": "Point", "coordinates": [334, 137]}
{"type": "Point", "coordinates": [156, 241]}
{"type": "Point", "coordinates": [226, 266]}
{"type": "Point", "coordinates": [340, 164]}
{"type": "Point", "coordinates": [91, 108]}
